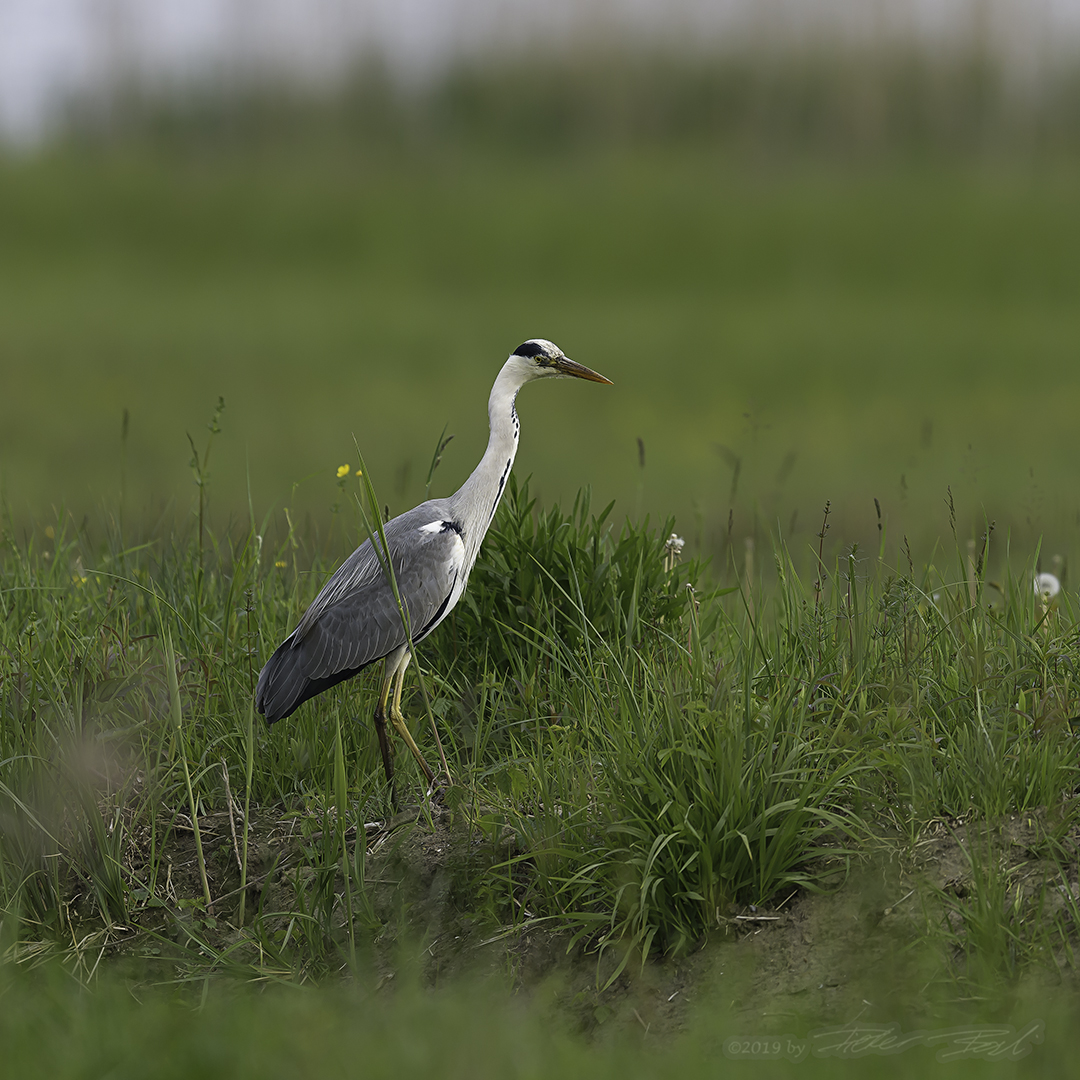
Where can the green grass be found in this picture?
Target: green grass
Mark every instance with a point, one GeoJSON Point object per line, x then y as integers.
{"type": "Point", "coordinates": [637, 755]}
{"type": "Point", "coordinates": [662, 754]}
{"type": "Point", "coordinates": [660, 767]}
{"type": "Point", "coordinates": [778, 336]}
{"type": "Point", "coordinates": [641, 749]}
{"type": "Point", "coordinates": [471, 1030]}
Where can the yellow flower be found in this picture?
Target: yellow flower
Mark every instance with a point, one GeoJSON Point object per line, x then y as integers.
{"type": "Point", "coordinates": [343, 470]}
{"type": "Point", "coordinates": [280, 564]}
{"type": "Point", "coordinates": [359, 473]}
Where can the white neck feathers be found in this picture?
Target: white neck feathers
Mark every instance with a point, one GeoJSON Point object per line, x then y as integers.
{"type": "Point", "coordinates": [476, 501]}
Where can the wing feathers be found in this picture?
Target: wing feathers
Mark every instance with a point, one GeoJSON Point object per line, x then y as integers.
{"type": "Point", "coordinates": [355, 621]}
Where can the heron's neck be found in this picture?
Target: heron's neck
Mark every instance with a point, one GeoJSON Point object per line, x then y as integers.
{"type": "Point", "coordinates": [477, 499]}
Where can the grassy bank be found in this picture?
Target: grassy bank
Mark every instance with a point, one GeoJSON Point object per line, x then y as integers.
{"type": "Point", "coordinates": [638, 759]}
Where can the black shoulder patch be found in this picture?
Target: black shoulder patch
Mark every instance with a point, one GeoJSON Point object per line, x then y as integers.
{"type": "Point", "coordinates": [453, 526]}
{"type": "Point", "coordinates": [529, 349]}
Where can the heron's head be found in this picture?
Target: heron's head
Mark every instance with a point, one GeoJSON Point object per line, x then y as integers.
{"type": "Point", "coordinates": [542, 359]}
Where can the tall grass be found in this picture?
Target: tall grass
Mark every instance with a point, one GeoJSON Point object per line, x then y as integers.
{"type": "Point", "coordinates": [650, 753]}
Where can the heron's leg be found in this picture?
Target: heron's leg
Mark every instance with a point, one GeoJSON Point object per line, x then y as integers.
{"type": "Point", "coordinates": [399, 720]}
{"type": "Point", "coordinates": [380, 729]}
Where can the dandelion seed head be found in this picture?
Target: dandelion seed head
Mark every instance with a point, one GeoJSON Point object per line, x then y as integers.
{"type": "Point", "coordinates": [1047, 586]}
{"type": "Point", "coordinates": [675, 544]}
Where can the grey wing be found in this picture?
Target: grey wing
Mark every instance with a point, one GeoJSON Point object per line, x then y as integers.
{"type": "Point", "coordinates": [355, 618]}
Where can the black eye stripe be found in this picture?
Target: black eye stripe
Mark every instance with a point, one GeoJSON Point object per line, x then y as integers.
{"type": "Point", "coordinates": [529, 349]}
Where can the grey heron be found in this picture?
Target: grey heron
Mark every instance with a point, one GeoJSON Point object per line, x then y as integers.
{"type": "Point", "coordinates": [355, 620]}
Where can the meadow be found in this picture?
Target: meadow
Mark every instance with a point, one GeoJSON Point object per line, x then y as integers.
{"type": "Point", "coordinates": [644, 777]}
{"type": "Point", "coordinates": [778, 334]}
{"type": "Point", "coordinates": [692, 796]}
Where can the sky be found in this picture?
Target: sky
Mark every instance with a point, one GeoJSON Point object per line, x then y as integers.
{"type": "Point", "coordinates": [52, 51]}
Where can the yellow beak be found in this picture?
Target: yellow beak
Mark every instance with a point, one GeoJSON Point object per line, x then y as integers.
{"type": "Point", "coordinates": [566, 366]}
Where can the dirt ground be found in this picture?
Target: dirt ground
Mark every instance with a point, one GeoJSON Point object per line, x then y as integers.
{"type": "Point", "coordinates": [872, 948]}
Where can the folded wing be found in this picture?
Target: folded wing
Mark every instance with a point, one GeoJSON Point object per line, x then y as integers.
{"type": "Point", "coordinates": [355, 620]}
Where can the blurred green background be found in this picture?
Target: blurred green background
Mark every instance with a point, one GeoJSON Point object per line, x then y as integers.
{"type": "Point", "coordinates": [851, 276]}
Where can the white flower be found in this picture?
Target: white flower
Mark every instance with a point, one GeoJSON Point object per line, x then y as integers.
{"type": "Point", "coordinates": [672, 550]}
{"type": "Point", "coordinates": [1047, 586]}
